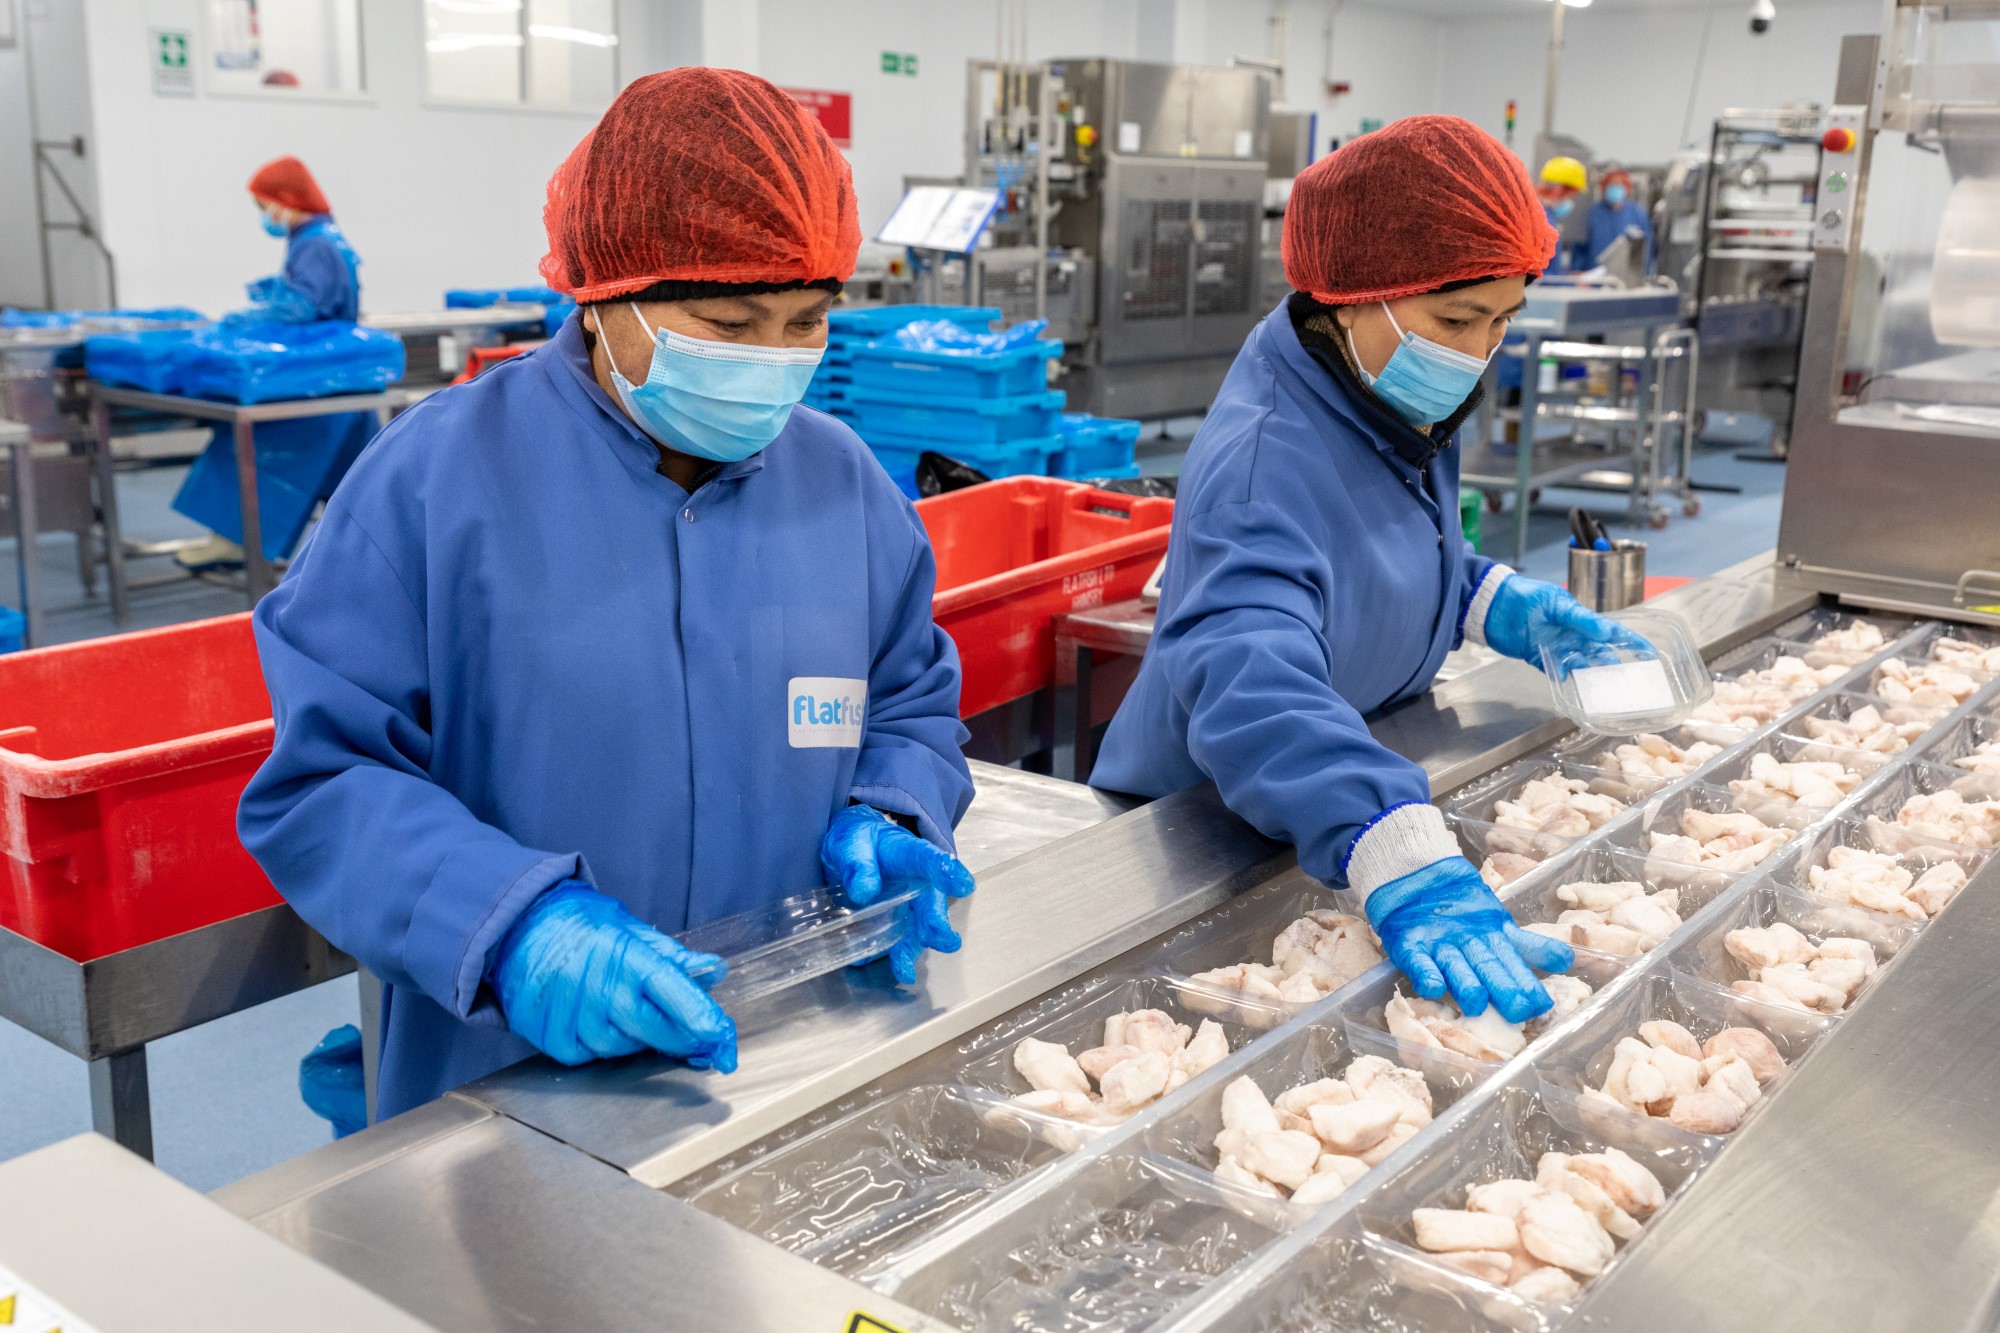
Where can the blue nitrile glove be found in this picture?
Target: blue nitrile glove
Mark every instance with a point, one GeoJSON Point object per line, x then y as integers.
{"type": "Point", "coordinates": [1527, 613]}
{"type": "Point", "coordinates": [864, 851]}
{"type": "Point", "coordinates": [584, 979]}
{"type": "Point", "coordinates": [330, 1081]}
{"type": "Point", "coordinates": [1444, 928]}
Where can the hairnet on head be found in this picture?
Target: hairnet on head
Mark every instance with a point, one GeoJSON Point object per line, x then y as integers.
{"type": "Point", "coordinates": [1617, 176]}
{"type": "Point", "coordinates": [700, 175]}
{"type": "Point", "coordinates": [286, 183]}
{"type": "Point", "coordinates": [1426, 201]}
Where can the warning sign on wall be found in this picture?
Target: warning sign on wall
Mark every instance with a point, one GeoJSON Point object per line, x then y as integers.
{"type": "Point", "coordinates": [835, 112]}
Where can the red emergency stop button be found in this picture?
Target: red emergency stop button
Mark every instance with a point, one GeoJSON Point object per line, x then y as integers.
{"type": "Point", "coordinates": [1837, 140]}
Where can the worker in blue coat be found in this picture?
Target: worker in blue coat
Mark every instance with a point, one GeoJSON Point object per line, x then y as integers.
{"type": "Point", "coordinates": [1316, 571]}
{"type": "Point", "coordinates": [298, 462]}
{"type": "Point", "coordinates": [616, 639]}
{"type": "Point", "coordinates": [1615, 214]}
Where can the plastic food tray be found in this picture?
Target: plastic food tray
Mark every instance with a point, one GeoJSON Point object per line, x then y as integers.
{"type": "Point", "coordinates": [1615, 690]}
{"type": "Point", "coordinates": [795, 939]}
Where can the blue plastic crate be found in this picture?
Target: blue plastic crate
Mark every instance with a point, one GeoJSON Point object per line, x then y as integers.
{"type": "Point", "coordinates": [1016, 459]}
{"type": "Point", "coordinates": [886, 366]}
{"type": "Point", "coordinates": [13, 630]}
{"type": "Point", "coordinates": [876, 321]}
{"type": "Point", "coordinates": [1096, 447]}
{"type": "Point", "coordinates": [961, 420]}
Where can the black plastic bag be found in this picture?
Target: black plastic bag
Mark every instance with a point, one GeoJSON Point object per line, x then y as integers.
{"type": "Point", "coordinates": [937, 473]}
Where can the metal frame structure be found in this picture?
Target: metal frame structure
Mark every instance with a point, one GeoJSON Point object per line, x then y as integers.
{"type": "Point", "coordinates": [1891, 513]}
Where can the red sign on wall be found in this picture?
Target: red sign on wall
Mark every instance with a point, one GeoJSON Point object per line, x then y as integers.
{"type": "Point", "coordinates": [835, 112]}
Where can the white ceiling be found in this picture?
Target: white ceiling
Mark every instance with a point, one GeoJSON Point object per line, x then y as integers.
{"type": "Point", "coordinates": [1485, 8]}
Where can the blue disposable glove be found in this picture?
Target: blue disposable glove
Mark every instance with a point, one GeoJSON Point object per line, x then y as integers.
{"type": "Point", "coordinates": [276, 300]}
{"type": "Point", "coordinates": [1526, 614]}
{"type": "Point", "coordinates": [584, 979]}
{"type": "Point", "coordinates": [331, 1084]}
{"type": "Point", "coordinates": [865, 852]}
{"type": "Point", "coordinates": [1444, 928]}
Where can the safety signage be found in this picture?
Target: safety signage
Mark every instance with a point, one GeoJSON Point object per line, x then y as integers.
{"type": "Point", "coordinates": [834, 111]}
{"type": "Point", "coordinates": [173, 68]}
{"type": "Point", "coordinates": [899, 62]}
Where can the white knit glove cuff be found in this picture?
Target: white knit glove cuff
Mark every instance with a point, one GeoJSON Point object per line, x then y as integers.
{"type": "Point", "coordinates": [1406, 839]}
{"type": "Point", "coordinates": [1482, 602]}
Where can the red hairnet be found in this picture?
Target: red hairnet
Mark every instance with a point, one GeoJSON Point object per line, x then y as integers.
{"type": "Point", "coordinates": [700, 175]}
{"type": "Point", "coordinates": [1615, 174]}
{"type": "Point", "coordinates": [1426, 201]}
{"type": "Point", "coordinates": [288, 184]}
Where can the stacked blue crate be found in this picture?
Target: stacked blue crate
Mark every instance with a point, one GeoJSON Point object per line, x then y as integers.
{"type": "Point", "coordinates": [849, 329]}
{"type": "Point", "coordinates": [1095, 448]}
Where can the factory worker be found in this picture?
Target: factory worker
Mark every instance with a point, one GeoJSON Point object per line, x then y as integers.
{"type": "Point", "coordinates": [1563, 182]}
{"type": "Point", "coordinates": [298, 462]}
{"type": "Point", "coordinates": [1614, 214]}
{"type": "Point", "coordinates": [1316, 571]}
{"type": "Point", "coordinates": [617, 639]}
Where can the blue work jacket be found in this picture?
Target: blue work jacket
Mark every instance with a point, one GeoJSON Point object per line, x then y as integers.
{"type": "Point", "coordinates": [1607, 224]}
{"type": "Point", "coordinates": [322, 267]}
{"type": "Point", "coordinates": [1313, 576]}
{"type": "Point", "coordinates": [514, 652]}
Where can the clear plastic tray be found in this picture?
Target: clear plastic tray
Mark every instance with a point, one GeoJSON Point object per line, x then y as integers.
{"type": "Point", "coordinates": [1885, 800]}
{"type": "Point", "coordinates": [1810, 625]}
{"type": "Point", "coordinates": [1117, 1247]}
{"type": "Point", "coordinates": [1476, 799]}
{"type": "Point", "coordinates": [1537, 901]}
{"type": "Point", "coordinates": [849, 1193]}
{"type": "Point", "coordinates": [1483, 841]}
{"type": "Point", "coordinates": [1816, 725]}
{"type": "Point", "coordinates": [1597, 751]}
{"type": "Point", "coordinates": [1961, 741]}
{"type": "Point", "coordinates": [796, 939]}
{"type": "Point", "coordinates": [1881, 681]}
{"type": "Point", "coordinates": [1242, 931]}
{"type": "Point", "coordinates": [1506, 1138]}
{"type": "Point", "coordinates": [1666, 817]}
{"type": "Point", "coordinates": [1616, 690]}
{"type": "Point", "coordinates": [1706, 957]}
{"type": "Point", "coordinates": [1360, 1011]}
{"type": "Point", "coordinates": [1788, 749]}
{"type": "Point", "coordinates": [1587, 1056]}
{"type": "Point", "coordinates": [1322, 1050]}
{"type": "Point", "coordinates": [1914, 852]}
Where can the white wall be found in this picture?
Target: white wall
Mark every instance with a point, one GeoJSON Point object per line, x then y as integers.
{"type": "Point", "coordinates": [431, 197]}
{"type": "Point", "coordinates": [1627, 73]}
{"type": "Point", "coordinates": [20, 257]}
{"type": "Point", "coordinates": [53, 36]}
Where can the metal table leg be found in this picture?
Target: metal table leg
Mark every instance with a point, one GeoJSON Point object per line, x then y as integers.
{"type": "Point", "coordinates": [26, 529]}
{"type": "Point", "coordinates": [371, 1036]}
{"type": "Point", "coordinates": [256, 569]}
{"type": "Point", "coordinates": [1524, 446]}
{"type": "Point", "coordinates": [121, 1101]}
{"type": "Point", "coordinates": [107, 507]}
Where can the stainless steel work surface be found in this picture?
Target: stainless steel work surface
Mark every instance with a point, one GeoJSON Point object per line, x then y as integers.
{"type": "Point", "coordinates": [480, 1225]}
{"type": "Point", "coordinates": [1868, 1196]}
{"type": "Point", "coordinates": [1014, 812]}
{"type": "Point", "coordinates": [1035, 923]}
{"type": "Point", "coordinates": [127, 1249]}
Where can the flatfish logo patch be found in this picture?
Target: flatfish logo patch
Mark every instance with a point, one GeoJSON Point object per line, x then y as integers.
{"type": "Point", "coordinates": [825, 712]}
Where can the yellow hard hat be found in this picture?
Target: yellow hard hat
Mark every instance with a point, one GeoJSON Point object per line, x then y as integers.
{"type": "Point", "coordinates": [1565, 171]}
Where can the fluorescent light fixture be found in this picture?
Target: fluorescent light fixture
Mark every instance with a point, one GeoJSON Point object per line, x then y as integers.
{"type": "Point", "coordinates": [586, 37]}
{"type": "Point", "coordinates": [471, 41]}
{"type": "Point", "coordinates": [1577, 4]}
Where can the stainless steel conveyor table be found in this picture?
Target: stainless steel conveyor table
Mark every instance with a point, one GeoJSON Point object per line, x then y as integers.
{"type": "Point", "coordinates": [478, 1212]}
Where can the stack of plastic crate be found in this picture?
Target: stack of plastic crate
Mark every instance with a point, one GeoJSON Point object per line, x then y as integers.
{"type": "Point", "coordinates": [1097, 448]}
{"type": "Point", "coordinates": [991, 409]}
{"type": "Point", "coordinates": [849, 329]}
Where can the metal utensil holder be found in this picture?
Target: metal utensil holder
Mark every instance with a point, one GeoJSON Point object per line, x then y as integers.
{"type": "Point", "coordinates": [1609, 580]}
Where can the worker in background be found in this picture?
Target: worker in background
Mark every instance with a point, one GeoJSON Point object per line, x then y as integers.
{"type": "Point", "coordinates": [1615, 214]}
{"type": "Point", "coordinates": [1563, 181]}
{"type": "Point", "coordinates": [1316, 571]}
{"type": "Point", "coordinates": [298, 462]}
{"type": "Point", "coordinates": [617, 639]}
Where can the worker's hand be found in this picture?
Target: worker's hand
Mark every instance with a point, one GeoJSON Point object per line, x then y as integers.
{"type": "Point", "coordinates": [865, 854]}
{"type": "Point", "coordinates": [1444, 928]}
{"type": "Point", "coordinates": [277, 301]}
{"type": "Point", "coordinates": [584, 979]}
{"type": "Point", "coordinates": [1527, 614]}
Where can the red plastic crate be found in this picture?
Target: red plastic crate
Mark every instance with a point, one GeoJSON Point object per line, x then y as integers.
{"type": "Point", "coordinates": [1014, 554]}
{"type": "Point", "coordinates": [121, 763]}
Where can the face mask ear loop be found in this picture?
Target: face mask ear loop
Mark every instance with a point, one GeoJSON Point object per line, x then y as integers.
{"type": "Point", "coordinates": [610, 357]}
{"type": "Point", "coordinates": [1355, 352]}
{"type": "Point", "coordinates": [1400, 335]}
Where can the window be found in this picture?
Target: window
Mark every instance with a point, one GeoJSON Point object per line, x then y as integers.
{"type": "Point", "coordinates": [284, 48]}
{"type": "Point", "coordinates": [542, 53]}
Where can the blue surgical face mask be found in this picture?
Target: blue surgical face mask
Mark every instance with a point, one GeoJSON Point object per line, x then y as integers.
{"type": "Point", "coordinates": [273, 227]}
{"type": "Point", "coordinates": [1558, 211]}
{"type": "Point", "coordinates": [1424, 381]}
{"type": "Point", "coordinates": [1614, 195]}
{"type": "Point", "coordinates": [714, 400]}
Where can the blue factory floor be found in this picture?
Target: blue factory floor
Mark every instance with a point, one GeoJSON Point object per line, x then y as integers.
{"type": "Point", "coordinates": [225, 1096]}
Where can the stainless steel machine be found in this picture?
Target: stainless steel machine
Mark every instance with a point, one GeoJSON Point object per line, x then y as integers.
{"type": "Point", "coordinates": [1892, 496]}
{"type": "Point", "coordinates": [1138, 232]}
